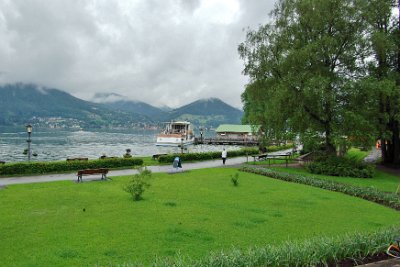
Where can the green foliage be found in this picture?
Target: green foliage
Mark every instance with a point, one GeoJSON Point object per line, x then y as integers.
{"type": "Point", "coordinates": [235, 179]}
{"type": "Point", "coordinates": [300, 69]}
{"type": "Point", "coordinates": [311, 142]}
{"type": "Point", "coordinates": [340, 166]}
{"type": "Point", "coordinates": [378, 91]}
{"type": "Point", "coordinates": [138, 183]}
{"type": "Point", "coordinates": [369, 193]}
{"type": "Point", "coordinates": [65, 166]}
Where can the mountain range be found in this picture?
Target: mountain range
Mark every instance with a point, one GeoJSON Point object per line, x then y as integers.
{"type": "Point", "coordinates": [22, 103]}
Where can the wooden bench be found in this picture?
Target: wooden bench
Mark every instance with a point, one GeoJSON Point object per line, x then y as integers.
{"type": "Point", "coordinates": [279, 156]}
{"type": "Point", "coordinates": [105, 157]}
{"type": "Point", "coordinates": [259, 157]}
{"type": "Point", "coordinates": [77, 159]}
{"type": "Point", "coordinates": [156, 156]}
{"type": "Point", "coordinates": [284, 156]}
{"type": "Point", "coordinates": [86, 172]}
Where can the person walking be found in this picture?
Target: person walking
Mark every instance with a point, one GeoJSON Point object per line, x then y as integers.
{"type": "Point", "coordinates": [223, 156]}
{"type": "Point", "coordinates": [177, 164]}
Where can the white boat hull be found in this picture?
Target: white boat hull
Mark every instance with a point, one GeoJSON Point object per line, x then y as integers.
{"type": "Point", "coordinates": [173, 141]}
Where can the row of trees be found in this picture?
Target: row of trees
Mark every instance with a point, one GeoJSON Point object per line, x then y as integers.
{"type": "Point", "coordinates": [327, 68]}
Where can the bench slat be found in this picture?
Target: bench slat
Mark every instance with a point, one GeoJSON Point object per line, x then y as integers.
{"type": "Point", "coordinates": [102, 171]}
{"type": "Point", "coordinates": [77, 159]}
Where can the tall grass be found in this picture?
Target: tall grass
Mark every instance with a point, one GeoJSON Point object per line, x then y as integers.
{"type": "Point", "coordinates": [322, 251]}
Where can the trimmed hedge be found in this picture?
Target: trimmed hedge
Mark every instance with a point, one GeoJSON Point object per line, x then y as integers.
{"type": "Point", "coordinates": [206, 155]}
{"type": "Point", "coordinates": [340, 166]}
{"type": "Point", "coordinates": [318, 251]}
{"type": "Point", "coordinates": [391, 200]}
{"type": "Point", "coordinates": [64, 166]}
{"type": "Point", "coordinates": [216, 155]}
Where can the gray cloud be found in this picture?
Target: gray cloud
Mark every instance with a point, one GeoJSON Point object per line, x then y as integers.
{"type": "Point", "coordinates": [167, 52]}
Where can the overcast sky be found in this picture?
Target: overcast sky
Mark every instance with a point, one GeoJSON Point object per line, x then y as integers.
{"type": "Point", "coordinates": [164, 52]}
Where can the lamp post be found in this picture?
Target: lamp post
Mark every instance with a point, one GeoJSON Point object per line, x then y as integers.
{"type": "Point", "coordinates": [181, 145]}
{"type": "Point", "coordinates": [201, 135]}
{"type": "Point", "coordinates": [29, 131]}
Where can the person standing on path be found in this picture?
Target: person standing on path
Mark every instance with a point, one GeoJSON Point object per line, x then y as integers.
{"type": "Point", "coordinates": [223, 156]}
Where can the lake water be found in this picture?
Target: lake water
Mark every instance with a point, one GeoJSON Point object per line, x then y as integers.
{"type": "Point", "coordinates": [59, 144]}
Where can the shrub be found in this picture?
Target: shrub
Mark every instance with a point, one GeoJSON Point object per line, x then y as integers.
{"type": "Point", "coordinates": [64, 166]}
{"type": "Point", "coordinates": [340, 166]}
{"type": "Point", "coordinates": [235, 179]}
{"type": "Point", "coordinates": [391, 200]}
{"type": "Point", "coordinates": [137, 185]}
{"type": "Point", "coordinates": [205, 155]}
{"type": "Point", "coordinates": [216, 155]}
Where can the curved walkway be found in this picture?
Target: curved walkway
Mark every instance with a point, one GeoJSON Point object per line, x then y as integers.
{"type": "Point", "coordinates": [165, 168]}
{"type": "Point", "coordinates": [374, 155]}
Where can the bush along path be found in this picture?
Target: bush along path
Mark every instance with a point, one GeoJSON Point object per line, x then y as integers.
{"type": "Point", "coordinates": [390, 200]}
{"type": "Point", "coordinates": [21, 168]}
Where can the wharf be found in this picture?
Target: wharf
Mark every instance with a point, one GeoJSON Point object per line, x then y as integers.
{"type": "Point", "coordinates": [225, 141]}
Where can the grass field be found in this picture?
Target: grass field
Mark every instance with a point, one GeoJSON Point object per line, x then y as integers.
{"type": "Point", "coordinates": [356, 154]}
{"type": "Point", "coordinates": [69, 224]}
{"type": "Point", "coordinates": [382, 181]}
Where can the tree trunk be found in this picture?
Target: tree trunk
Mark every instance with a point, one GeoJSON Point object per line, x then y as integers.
{"type": "Point", "coordinates": [329, 145]}
{"type": "Point", "coordinates": [384, 151]}
{"type": "Point", "coordinates": [396, 144]}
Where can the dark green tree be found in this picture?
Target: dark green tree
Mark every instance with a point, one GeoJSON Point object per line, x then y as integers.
{"type": "Point", "coordinates": [302, 67]}
{"type": "Point", "coordinates": [376, 96]}
{"type": "Point", "coordinates": [386, 72]}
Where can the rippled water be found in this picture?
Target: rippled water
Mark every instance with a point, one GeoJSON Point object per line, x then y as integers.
{"type": "Point", "coordinates": [54, 144]}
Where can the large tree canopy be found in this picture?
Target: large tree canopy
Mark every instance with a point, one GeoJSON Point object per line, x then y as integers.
{"type": "Point", "coordinates": [314, 69]}
{"type": "Point", "coordinates": [301, 65]}
{"type": "Point", "coordinates": [384, 74]}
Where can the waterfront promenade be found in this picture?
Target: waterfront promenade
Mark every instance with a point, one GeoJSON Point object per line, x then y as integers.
{"type": "Point", "coordinates": [165, 168]}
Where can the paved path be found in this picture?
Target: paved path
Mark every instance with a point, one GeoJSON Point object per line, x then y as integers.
{"type": "Point", "coordinates": [373, 156]}
{"type": "Point", "coordinates": [166, 168]}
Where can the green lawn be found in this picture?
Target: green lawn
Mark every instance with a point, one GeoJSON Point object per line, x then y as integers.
{"type": "Point", "coordinates": [192, 213]}
{"type": "Point", "coordinates": [149, 161]}
{"type": "Point", "coordinates": [382, 181]}
{"type": "Point", "coordinates": [356, 153]}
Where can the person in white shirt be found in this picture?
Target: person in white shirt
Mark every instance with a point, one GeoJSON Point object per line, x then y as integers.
{"type": "Point", "coordinates": [223, 156]}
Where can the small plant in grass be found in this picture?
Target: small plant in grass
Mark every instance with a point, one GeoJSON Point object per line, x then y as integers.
{"type": "Point", "coordinates": [235, 179]}
{"type": "Point", "coordinates": [138, 184]}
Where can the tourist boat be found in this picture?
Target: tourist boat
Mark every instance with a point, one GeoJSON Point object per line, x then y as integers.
{"type": "Point", "coordinates": [176, 133]}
